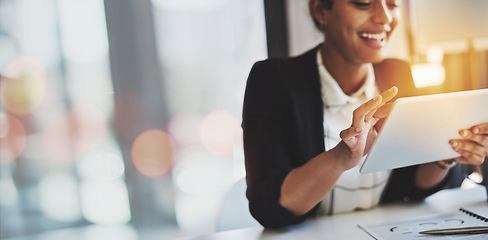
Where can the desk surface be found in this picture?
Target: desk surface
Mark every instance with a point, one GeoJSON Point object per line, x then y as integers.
{"type": "Point", "coordinates": [345, 226]}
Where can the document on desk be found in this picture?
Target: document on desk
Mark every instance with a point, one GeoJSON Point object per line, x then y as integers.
{"type": "Point", "coordinates": [409, 229]}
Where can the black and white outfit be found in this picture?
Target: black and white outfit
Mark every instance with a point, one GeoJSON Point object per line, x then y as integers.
{"type": "Point", "coordinates": [293, 111]}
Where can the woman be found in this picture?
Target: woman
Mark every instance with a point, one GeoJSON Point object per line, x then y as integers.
{"type": "Point", "coordinates": [308, 122]}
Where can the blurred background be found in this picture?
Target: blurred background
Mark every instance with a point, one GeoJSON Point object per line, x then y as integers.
{"type": "Point", "coordinates": [120, 119]}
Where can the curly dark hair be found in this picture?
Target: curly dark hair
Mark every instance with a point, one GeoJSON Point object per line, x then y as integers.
{"type": "Point", "coordinates": [327, 5]}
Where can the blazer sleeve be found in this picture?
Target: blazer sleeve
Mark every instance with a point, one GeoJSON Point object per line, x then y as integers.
{"type": "Point", "coordinates": [267, 150]}
{"type": "Point", "coordinates": [401, 186]}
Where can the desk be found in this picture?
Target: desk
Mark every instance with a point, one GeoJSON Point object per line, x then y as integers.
{"type": "Point", "coordinates": [345, 226]}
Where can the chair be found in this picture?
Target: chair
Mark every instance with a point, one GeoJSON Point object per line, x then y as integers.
{"type": "Point", "coordinates": [235, 212]}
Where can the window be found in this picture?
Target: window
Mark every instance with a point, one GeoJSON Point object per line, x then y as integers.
{"type": "Point", "coordinates": [65, 159]}
{"type": "Point", "coordinates": [60, 164]}
{"type": "Point", "coordinates": [206, 50]}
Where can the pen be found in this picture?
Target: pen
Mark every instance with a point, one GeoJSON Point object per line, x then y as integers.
{"type": "Point", "coordinates": [450, 231]}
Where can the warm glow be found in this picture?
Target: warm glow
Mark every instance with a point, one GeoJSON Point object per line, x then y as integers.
{"type": "Point", "coordinates": [426, 75]}
{"type": "Point", "coordinates": [67, 137]}
{"type": "Point", "coordinates": [23, 86]}
{"type": "Point", "coordinates": [219, 132]}
{"type": "Point", "coordinates": [12, 138]}
{"type": "Point", "coordinates": [435, 55]}
{"type": "Point", "coordinates": [153, 153]}
{"type": "Point", "coordinates": [431, 73]}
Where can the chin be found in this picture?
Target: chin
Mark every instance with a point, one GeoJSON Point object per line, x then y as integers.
{"type": "Point", "coordinates": [375, 58]}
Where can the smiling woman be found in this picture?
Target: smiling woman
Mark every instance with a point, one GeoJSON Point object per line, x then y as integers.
{"type": "Point", "coordinates": [308, 121]}
{"type": "Point", "coordinates": [356, 24]}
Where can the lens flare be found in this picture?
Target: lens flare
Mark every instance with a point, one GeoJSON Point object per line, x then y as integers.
{"type": "Point", "coordinates": [23, 86]}
{"type": "Point", "coordinates": [219, 132]}
{"type": "Point", "coordinates": [12, 138]}
{"type": "Point", "coordinates": [153, 153]}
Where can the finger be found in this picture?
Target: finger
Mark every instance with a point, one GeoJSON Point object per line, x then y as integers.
{"type": "Point", "coordinates": [379, 124]}
{"type": "Point", "coordinates": [471, 158]}
{"type": "Point", "coordinates": [386, 96]}
{"type": "Point", "coordinates": [349, 133]}
{"type": "Point", "coordinates": [360, 113]}
{"type": "Point", "coordinates": [463, 160]}
{"type": "Point", "coordinates": [383, 111]}
{"type": "Point", "coordinates": [468, 149]}
{"type": "Point", "coordinates": [468, 145]}
{"type": "Point", "coordinates": [480, 128]}
{"type": "Point", "coordinates": [389, 94]}
{"type": "Point", "coordinates": [478, 138]}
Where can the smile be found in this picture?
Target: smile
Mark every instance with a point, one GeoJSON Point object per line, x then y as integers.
{"type": "Point", "coordinates": [374, 40]}
{"type": "Point", "coordinates": [375, 36]}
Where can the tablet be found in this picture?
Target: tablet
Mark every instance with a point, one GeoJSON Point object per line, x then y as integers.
{"type": "Point", "coordinates": [418, 129]}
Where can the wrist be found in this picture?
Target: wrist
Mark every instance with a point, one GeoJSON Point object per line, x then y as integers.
{"type": "Point", "coordinates": [343, 157]}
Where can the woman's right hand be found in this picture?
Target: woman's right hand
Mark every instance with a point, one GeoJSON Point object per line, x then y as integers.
{"type": "Point", "coordinates": [357, 139]}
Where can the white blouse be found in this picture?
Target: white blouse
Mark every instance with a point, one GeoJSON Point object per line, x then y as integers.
{"type": "Point", "coordinates": [353, 190]}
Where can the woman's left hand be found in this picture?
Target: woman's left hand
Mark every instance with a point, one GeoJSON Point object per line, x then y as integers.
{"type": "Point", "coordinates": [473, 146]}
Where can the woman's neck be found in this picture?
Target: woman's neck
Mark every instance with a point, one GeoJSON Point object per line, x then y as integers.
{"type": "Point", "coordinates": [350, 76]}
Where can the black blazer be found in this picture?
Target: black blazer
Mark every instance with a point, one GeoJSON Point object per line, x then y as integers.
{"type": "Point", "coordinates": [283, 129]}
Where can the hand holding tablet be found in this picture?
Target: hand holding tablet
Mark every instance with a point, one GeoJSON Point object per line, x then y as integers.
{"type": "Point", "coordinates": [473, 144]}
{"type": "Point", "coordinates": [358, 138]}
{"type": "Point", "coordinates": [419, 129]}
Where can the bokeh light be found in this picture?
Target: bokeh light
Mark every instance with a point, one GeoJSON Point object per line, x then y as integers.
{"type": "Point", "coordinates": [101, 165]}
{"type": "Point", "coordinates": [184, 127]}
{"type": "Point", "coordinates": [153, 153]}
{"type": "Point", "coordinates": [12, 138]}
{"type": "Point", "coordinates": [105, 202]}
{"type": "Point", "coordinates": [67, 137]}
{"type": "Point", "coordinates": [429, 74]}
{"type": "Point", "coordinates": [23, 86]}
{"type": "Point", "coordinates": [219, 132]}
{"type": "Point", "coordinates": [58, 197]}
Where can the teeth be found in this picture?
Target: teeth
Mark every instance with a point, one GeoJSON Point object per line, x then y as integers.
{"type": "Point", "coordinates": [376, 36]}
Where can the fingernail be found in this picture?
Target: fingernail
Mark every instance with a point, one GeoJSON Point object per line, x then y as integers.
{"type": "Point", "coordinates": [358, 130]}
{"type": "Point", "coordinates": [454, 144]}
{"type": "Point", "coordinates": [476, 130]}
{"type": "Point", "coordinates": [464, 133]}
{"type": "Point", "coordinates": [376, 98]}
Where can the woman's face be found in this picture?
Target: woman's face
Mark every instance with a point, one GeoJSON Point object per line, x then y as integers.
{"type": "Point", "coordinates": [358, 30]}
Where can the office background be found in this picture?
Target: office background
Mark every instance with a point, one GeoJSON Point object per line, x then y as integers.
{"type": "Point", "coordinates": [122, 117]}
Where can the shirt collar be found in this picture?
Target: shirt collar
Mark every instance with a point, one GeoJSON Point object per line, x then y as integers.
{"type": "Point", "coordinates": [332, 94]}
